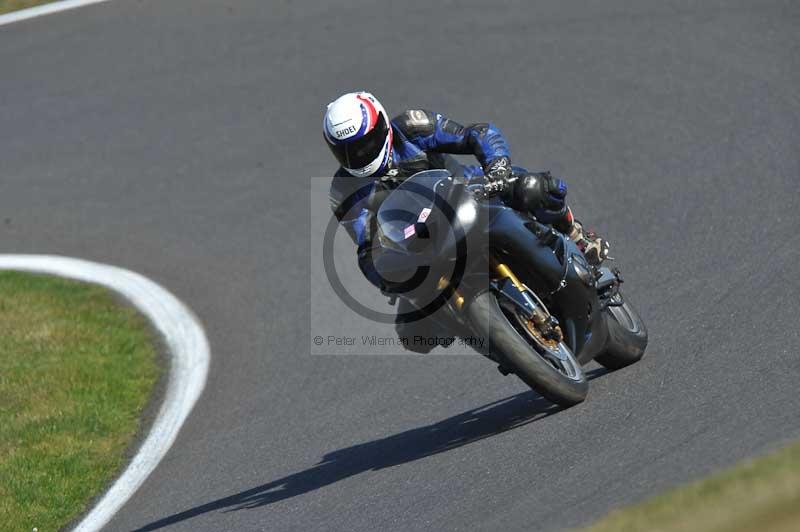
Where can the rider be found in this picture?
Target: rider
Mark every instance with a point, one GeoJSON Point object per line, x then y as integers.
{"type": "Point", "coordinates": [376, 154]}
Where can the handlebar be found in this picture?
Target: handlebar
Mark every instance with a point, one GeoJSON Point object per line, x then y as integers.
{"type": "Point", "coordinates": [492, 188]}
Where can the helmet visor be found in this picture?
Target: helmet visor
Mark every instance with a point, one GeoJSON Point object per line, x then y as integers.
{"type": "Point", "coordinates": [360, 152]}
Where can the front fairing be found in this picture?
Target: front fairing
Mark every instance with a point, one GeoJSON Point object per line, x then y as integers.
{"type": "Point", "coordinates": [552, 266]}
{"type": "Point", "coordinates": [422, 225]}
{"type": "Point", "coordinates": [426, 214]}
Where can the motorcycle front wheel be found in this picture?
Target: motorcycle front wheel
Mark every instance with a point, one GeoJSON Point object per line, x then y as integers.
{"type": "Point", "coordinates": [550, 368]}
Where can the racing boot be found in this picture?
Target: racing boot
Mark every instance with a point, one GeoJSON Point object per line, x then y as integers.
{"type": "Point", "coordinates": [594, 247]}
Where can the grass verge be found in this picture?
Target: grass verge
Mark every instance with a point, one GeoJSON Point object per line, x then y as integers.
{"type": "Point", "coordinates": [76, 370]}
{"type": "Point", "coordinates": [6, 6]}
{"type": "Point", "coordinates": [757, 495]}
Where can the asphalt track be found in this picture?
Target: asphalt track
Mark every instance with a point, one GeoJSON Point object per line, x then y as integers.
{"type": "Point", "coordinates": [176, 139]}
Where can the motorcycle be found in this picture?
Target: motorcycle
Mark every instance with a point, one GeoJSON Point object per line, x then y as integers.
{"type": "Point", "coordinates": [503, 276]}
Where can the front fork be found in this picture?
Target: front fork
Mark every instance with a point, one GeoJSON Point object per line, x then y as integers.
{"type": "Point", "coordinates": [508, 285]}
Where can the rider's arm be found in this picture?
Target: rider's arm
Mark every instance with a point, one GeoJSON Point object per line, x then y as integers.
{"type": "Point", "coordinates": [433, 132]}
{"type": "Point", "coordinates": [349, 198]}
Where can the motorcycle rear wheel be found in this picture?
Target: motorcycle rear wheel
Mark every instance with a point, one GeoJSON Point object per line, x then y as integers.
{"type": "Point", "coordinates": [552, 371]}
{"type": "Point", "coordinates": [627, 336]}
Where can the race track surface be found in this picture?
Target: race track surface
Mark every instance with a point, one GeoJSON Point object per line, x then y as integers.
{"type": "Point", "coordinates": [177, 139]}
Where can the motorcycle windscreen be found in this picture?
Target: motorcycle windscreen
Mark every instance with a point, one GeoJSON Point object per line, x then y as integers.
{"type": "Point", "coordinates": [403, 217]}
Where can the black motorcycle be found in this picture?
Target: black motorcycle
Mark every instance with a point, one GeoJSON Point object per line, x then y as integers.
{"type": "Point", "coordinates": [503, 276]}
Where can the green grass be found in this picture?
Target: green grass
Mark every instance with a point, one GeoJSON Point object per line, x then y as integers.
{"type": "Point", "coordinates": [7, 6]}
{"type": "Point", "coordinates": [758, 495]}
{"type": "Point", "coordinates": [76, 370]}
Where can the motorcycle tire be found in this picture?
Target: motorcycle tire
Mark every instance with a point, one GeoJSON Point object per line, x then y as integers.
{"type": "Point", "coordinates": [627, 336]}
{"type": "Point", "coordinates": [517, 353]}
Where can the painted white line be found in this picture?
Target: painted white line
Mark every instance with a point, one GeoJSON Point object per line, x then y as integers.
{"type": "Point", "coordinates": [188, 348]}
{"type": "Point", "coordinates": [46, 9]}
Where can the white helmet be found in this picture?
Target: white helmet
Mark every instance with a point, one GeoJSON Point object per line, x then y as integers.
{"type": "Point", "coordinates": [358, 132]}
